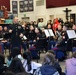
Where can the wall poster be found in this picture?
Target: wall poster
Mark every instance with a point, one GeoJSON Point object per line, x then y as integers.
{"type": "Point", "coordinates": [28, 5]}
{"type": "Point", "coordinates": [21, 5]}
{"type": "Point", "coordinates": [14, 7]}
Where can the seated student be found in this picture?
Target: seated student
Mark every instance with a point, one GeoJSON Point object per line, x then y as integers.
{"type": "Point", "coordinates": [71, 65]}
{"type": "Point", "coordinates": [16, 66]}
{"type": "Point", "coordinates": [9, 73]}
{"type": "Point", "coordinates": [29, 65]}
{"type": "Point", "coordinates": [47, 68]}
{"type": "Point", "coordinates": [56, 63]}
{"type": "Point", "coordinates": [2, 67]}
{"type": "Point", "coordinates": [24, 73]}
{"type": "Point", "coordinates": [15, 53]}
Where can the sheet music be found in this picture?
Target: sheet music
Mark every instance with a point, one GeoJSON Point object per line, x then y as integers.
{"type": "Point", "coordinates": [71, 34]}
{"type": "Point", "coordinates": [46, 33]}
{"type": "Point", "coordinates": [51, 32]}
{"type": "Point", "coordinates": [24, 37]}
{"type": "Point", "coordinates": [1, 39]}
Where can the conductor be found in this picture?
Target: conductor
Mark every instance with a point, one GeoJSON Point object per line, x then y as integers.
{"type": "Point", "coordinates": [16, 31]}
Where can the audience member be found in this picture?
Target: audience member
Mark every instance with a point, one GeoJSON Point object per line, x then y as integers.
{"type": "Point", "coordinates": [15, 53]}
{"type": "Point", "coordinates": [70, 65]}
{"type": "Point", "coordinates": [9, 73]}
{"type": "Point", "coordinates": [29, 65]}
{"type": "Point", "coordinates": [16, 66]}
{"type": "Point", "coordinates": [47, 68]}
{"type": "Point", "coordinates": [41, 23]}
{"type": "Point", "coordinates": [2, 62]}
{"type": "Point", "coordinates": [55, 24]}
{"type": "Point", "coordinates": [56, 63]}
{"type": "Point", "coordinates": [24, 73]}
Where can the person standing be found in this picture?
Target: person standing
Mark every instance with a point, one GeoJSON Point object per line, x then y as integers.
{"type": "Point", "coordinates": [16, 31]}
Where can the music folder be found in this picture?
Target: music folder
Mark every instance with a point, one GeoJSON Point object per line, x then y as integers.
{"type": "Point", "coordinates": [71, 34]}
{"type": "Point", "coordinates": [48, 32]}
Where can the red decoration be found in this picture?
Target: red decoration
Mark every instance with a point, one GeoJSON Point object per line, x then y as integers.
{"type": "Point", "coordinates": [5, 3]}
{"type": "Point", "coordinates": [5, 12]}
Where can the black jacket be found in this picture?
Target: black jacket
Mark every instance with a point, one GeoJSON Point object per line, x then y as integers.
{"type": "Point", "coordinates": [16, 31]}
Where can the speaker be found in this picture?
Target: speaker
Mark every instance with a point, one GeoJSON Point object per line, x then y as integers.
{"type": "Point", "coordinates": [73, 16]}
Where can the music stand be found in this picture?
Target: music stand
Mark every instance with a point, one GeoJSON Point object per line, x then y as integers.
{"type": "Point", "coordinates": [48, 33]}
{"type": "Point", "coordinates": [71, 34]}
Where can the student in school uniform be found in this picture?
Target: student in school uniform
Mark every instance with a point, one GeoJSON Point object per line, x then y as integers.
{"type": "Point", "coordinates": [29, 65]}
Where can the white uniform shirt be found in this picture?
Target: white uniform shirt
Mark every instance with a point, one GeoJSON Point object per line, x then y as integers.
{"type": "Point", "coordinates": [34, 66]}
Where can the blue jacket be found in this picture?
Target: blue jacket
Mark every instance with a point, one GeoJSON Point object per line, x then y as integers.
{"type": "Point", "coordinates": [47, 70]}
